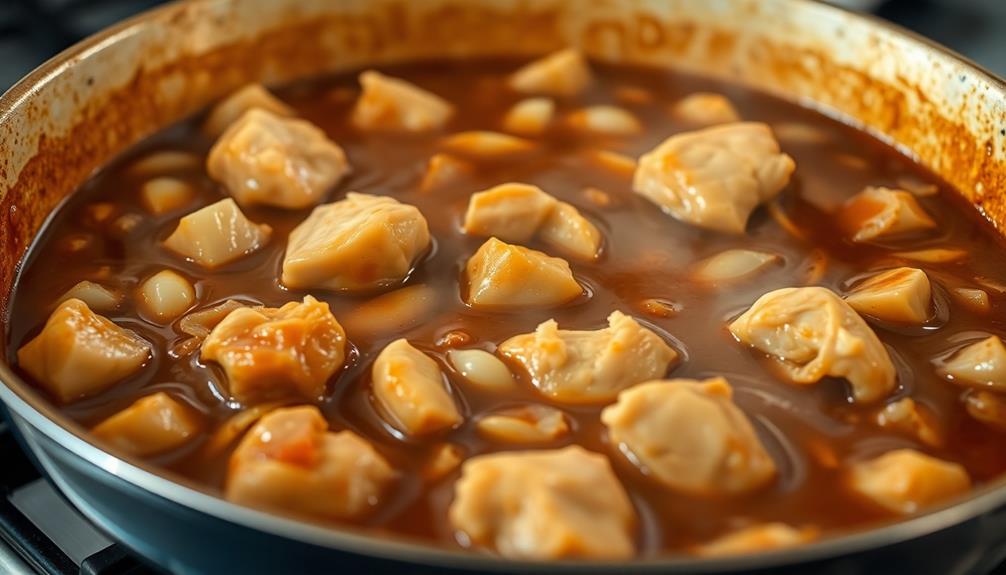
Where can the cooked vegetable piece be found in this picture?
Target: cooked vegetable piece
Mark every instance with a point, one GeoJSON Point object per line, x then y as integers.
{"type": "Point", "coordinates": [151, 425]}
{"type": "Point", "coordinates": [612, 162]}
{"type": "Point", "coordinates": [879, 213]}
{"type": "Point", "coordinates": [165, 162]}
{"type": "Point", "coordinates": [281, 162]}
{"type": "Point", "coordinates": [706, 109]}
{"type": "Point", "coordinates": [553, 504]}
{"type": "Point", "coordinates": [392, 104]}
{"type": "Point", "coordinates": [810, 333]}
{"type": "Point", "coordinates": [487, 146]}
{"type": "Point", "coordinates": [757, 538]}
{"type": "Point", "coordinates": [732, 265]}
{"type": "Point", "coordinates": [505, 275]}
{"type": "Point", "coordinates": [250, 97]}
{"type": "Point", "coordinates": [527, 424]}
{"type": "Point", "coordinates": [714, 178]}
{"type": "Point", "coordinates": [393, 312]}
{"type": "Point", "coordinates": [933, 256]}
{"type": "Point", "coordinates": [690, 436]}
{"type": "Point", "coordinates": [96, 296]}
{"type": "Point", "coordinates": [562, 74]}
{"type": "Point", "coordinates": [359, 243]}
{"type": "Point", "coordinates": [166, 295]}
{"type": "Point", "coordinates": [529, 117]}
{"type": "Point", "coordinates": [409, 388]}
{"type": "Point", "coordinates": [289, 463]}
{"type": "Point", "coordinates": [217, 235]}
{"type": "Point", "coordinates": [973, 298]}
{"type": "Point", "coordinates": [605, 121]}
{"type": "Point", "coordinates": [904, 481]}
{"type": "Point", "coordinates": [566, 230]}
{"type": "Point", "coordinates": [901, 295]}
{"type": "Point", "coordinates": [80, 353]}
{"type": "Point", "coordinates": [163, 195]}
{"type": "Point", "coordinates": [444, 170]}
{"type": "Point", "coordinates": [590, 366]}
{"type": "Point", "coordinates": [443, 460]}
{"type": "Point", "coordinates": [269, 353]}
{"type": "Point", "coordinates": [987, 407]}
{"type": "Point", "coordinates": [482, 369]}
{"type": "Point", "coordinates": [908, 417]}
{"type": "Point", "coordinates": [982, 363]}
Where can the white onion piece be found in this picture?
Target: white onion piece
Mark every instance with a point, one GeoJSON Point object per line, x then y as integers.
{"type": "Point", "coordinates": [481, 368]}
{"type": "Point", "coordinates": [732, 265]}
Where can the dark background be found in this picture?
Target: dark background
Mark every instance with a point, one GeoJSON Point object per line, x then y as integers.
{"type": "Point", "coordinates": [33, 30]}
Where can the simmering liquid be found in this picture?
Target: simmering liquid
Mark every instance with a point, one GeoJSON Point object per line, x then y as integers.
{"type": "Point", "coordinates": [811, 431]}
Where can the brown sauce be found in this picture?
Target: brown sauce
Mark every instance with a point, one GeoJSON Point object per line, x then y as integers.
{"type": "Point", "coordinates": [646, 255]}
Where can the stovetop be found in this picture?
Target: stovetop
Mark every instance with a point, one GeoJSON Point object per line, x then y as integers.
{"type": "Point", "coordinates": [40, 533]}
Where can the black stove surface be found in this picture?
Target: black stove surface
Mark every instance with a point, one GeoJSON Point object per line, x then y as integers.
{"type": "Point", "coordinates": [41, 533]}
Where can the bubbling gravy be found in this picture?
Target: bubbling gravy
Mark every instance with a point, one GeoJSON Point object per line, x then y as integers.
{"type": "Point", "coordinates": [780, 460]}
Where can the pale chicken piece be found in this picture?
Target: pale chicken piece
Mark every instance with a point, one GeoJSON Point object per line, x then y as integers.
{"type": "Point", "coordinates": [714, 178]}
{"type": "Point", "coordinates": [605, 121]}
{"type": "Point", "coordinates": [706, 109]}
{"type": "Point", "coordinates": [811, 333]}
{"type": "Point", "coordinates": [878, 213]}
{"type": "Point", "coordinates": [981, 363]}
{"type": "Point", "coordinates": [550, 504]}
{"type": "Point", "coordinates": [392, 104]}
{"type": "Point", "coordinates": [151, 425]}
{"type": "Point", "coordinates": [566, 230]}
{"type": "Point", "coordinates": [444, 170]}
{"type": "Point", "coordinates": [524, 425]}
{"type": "Point", "coordinates": [217, 235]}
{"type": "Point", "coordinates": [270, 353]}
{"type": "Point", "coordinates": [908, 417]}
{"type": "Point", "coordinates": [690, 436]}
{"type": "Point", "coordinates": [757, 538]}
{"type": "Point", "coordinates": [96, 296]}
{"type": "Point", "coordinates": [359, 243]}
{"type": "Point", "coordinates": [502, 275]}
{"type": "Point", "coordinates": [512, 212]}
{"type": "Point", "coordinates": [263, 159]}
{"type": "Point", "coordinates": [410, 390]}
{"type": "Point", "coordinates": [562, 74]}
{"type": "Point", "coordinates": [487, 146]}
{"type": "Point", "coordinates": [901, 295]}
{"type": "Point", "coordinates": [590, 366]}
{"type": "Point", "coordinates": [289, 462]}
{"type": "Point", "coordinates": [732, 265]}
{"type": "Point", "coordinates": [252, 96]}
{"type": "Point", "coordinates": [443, 460]}
{"type": "Point", "coordinates": [529, 117]}
{"type": "Point", "coordinates": [80, 353]}
{"type": "Point", "coordinates": [166, 295]}
{"type": "Point", "coordinates": [905, 480]}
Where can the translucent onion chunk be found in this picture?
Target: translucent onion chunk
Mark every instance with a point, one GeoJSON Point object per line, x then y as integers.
{"type": "Point", "coordinates": [905, 480]}
{"type": "Point", "coordinates": [151, 425]}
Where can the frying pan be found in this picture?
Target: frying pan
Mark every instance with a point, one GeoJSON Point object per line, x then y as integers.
{"type": "Point", "coordinates": [84, 106]}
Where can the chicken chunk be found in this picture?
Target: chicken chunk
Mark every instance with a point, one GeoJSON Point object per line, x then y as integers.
{"type": "Point", "coordinates": [529, 117]}
{"type": "Point", "coordinates": [217, 234]}
{"type": "Point", "coordinates": [151, 425]}
{"type": "Point", "coordinates": [690, 436]}
{"type": "Point", "coordinates": [392, 104]}
{"type": "Point", "coordinates": [757, 538]}
{"type": "Point", "coordinates": [504, 275]}
{"type": "Point", "coordinates": [252, 96]}
{"type": "Point", "coordinates": [527, 424]}
{"type": "Point", "coordinates": [901, 295]}
{"type": "Point", "coordinates": [359, 243]}
{"type": "Point", "coordinates": [273, 161]}
{"type": "Point", "coordinates": [554, 504]}
{"type": "Point", "coordinates": [289, 462]}
{"type": "Point", "coordinates": [569, 232]}
{"type": "Point", "coordinates": [908, 417]}
{"type": "Point", "coordinates": [706, 109]}
{"type": "Point", "coordinates": [714, 178]}
{"type": "Point", "coordinates": [409, 388]}
{"type": "Point", "coordinates": [80, 353]}
{"type": "Point", "coordinates": [904, 481]}
{"type": "Point", "coordinates": [511, 212]}
{"type": "Point", "coordinates": [444, 170]}
{"type": "Point", "coordinates": [271, 353]}
{"type": "Point", "coordinates": [982, 364]}
{"type": "Point", "coordinates": [590, 366]}
{"type": "Point", "coordinates": [811, 332]}
{"type": "Point", "coordinates": [563, 74]}
{"type": "Point", "coordinates": [878, 213]}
